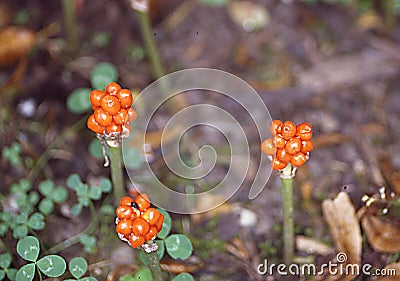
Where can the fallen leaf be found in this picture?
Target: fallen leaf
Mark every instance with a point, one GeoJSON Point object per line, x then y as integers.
{"type": "Point", "coordinates": [324, 75]}
{"type": "Point", "coordinates": [312, 246]}
{"type": "Point", "coordinates": [392, 272]}
{"type": "Point", "coordinates": [16, 42]}
{"type": "Point", "coordinates": [382, 236]}
{"type": "Point", "coordinates": [249, 15]}
{"type": "Point", "coordinates": [344, 227]}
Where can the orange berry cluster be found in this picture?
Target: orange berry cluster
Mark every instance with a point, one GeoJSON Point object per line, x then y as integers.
{"type": "Point", "coordinates": [112, 112]}
{"type": "Point", "coordinates": [290, 143]}
{"type": "Point", "coordinates": [136, 221]}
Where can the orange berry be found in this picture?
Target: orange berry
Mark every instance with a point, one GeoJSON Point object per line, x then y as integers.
{"type": "Point", "coordinates": [143, 202]}
{"type": "Point", "coordinates": [110, 104]}
{"type": "Point", "coordinates": [151, 215]}
{"type": "Point", "coordinates": [124, 212]}
{"type": "Point", "coordinates": [276, 127]}
{"type": "Point", "coordinates": [136, 240]}
{"type": "Point", "coordinates": [114, 128]}
{"type": "Point", "coordinates": [125, 97]}
{"type": "Point", "coordinates": [278, 165]}
{"type": "Point", "coordinates": [283, 156]}
{"type": "Point", "coordinates": [160, 222]}
{"type": "Point", "coordinates": [153, 231]}
{"type": "Point", "coordinates": [267, 147]}
{"type": "Point", "coordinates": [126, 201]}
{"type": "Point", "coordinates": [131, 115]}
{"type": "Point", "coordinates": [113, 88]}
{"type": "Point", "coordinates": [279, 141]}
{"type": "Point", "coordinates": [304, 131]}
{"type": "Point", "coordinates": [121, 117]}
{"type": "Point", "coordinates": [103, 118]}
{"type": "Point", "coordinates": [293, 145]}
{"type": "Point", "coordinates": [140, 227]}
{"type": "Point", "coordinates": [94, 126]}
{"type": "Point", "coordinates": [288, 130]}
{"type": "Point", "coordinates": [95, 97]}
{"type": "Point", "coordinates": [124, 226]}
{"type": "Point", "coordinates": [298, 159]}
{"type": "Point", "coordinates": [306, 146]}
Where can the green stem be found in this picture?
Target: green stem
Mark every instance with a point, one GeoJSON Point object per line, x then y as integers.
{"type": "Point", "coordinates": [288, 223]}
{"type": "Point", "coordinates": [39, 273]}
{"type": "Point", "coordinates": [116, 172]}
{"type": "Point", "coordinates": [151, 47]}
{"type": "Point", "coordinates": [70, 24]}
{"type": "Point", "coordinates": [154, 264]}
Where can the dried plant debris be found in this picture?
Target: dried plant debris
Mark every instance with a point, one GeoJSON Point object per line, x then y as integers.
{"type": "Point", "coordinates": [312, 246]}
{"type": "Point", "coordinates": [391, 272]}
{"type": "Point", "coordinates": [344, 227]}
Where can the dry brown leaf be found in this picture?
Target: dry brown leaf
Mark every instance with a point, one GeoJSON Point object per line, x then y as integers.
{"type": "Point", "coordinates": [16, 42]}
{"type": "Point", "coordinates": [179, 267]}
{"type": "Point", "coordinates": [249, 15]}
{"type": "Point", "coordinates": [312, 246]}
{"type": "Point", "coordinates": [344, 227]}
{"type": "Point", "coordinates": [382, 236]}
{"type": "Point", "coordinates": [392, 272]}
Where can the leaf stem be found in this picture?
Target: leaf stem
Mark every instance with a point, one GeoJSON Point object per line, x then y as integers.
{"type": "Point", "coordinates": [40, 274]}
{"type": "Point", "coordinates": [288, 223]}
{"type": "Point", "coordinates": [116, 171]}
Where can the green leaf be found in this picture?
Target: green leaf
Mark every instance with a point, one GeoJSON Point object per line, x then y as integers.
{"type": "Point", "coordinates": [76, 210]}
{"type": "Point", "coordinates": [178, 246]}
{"type": "Point", "coordinates": [46, 187]}
{"type": "Point", "coordinates": [160, 251]}
{"type": "Point", "coordinates": [96, 149]}
{"type": "Point", "coordinates": [142, 274]}
{"type": "Point", "coordinates": [73, 181]}
{"type": "Point", "coordinates": [132, 157]}
{"type": "Point", "coordinates": [166, 227]}
{"type": "Point", "coordinates": [214, 3]}
{"type": "Point", "coordinates": [95, 193]}
{"type": "Point", "coordinates": [78, 101]}
{"type": "Point", "coordinates": [5, 260]}
{"type": "Point", "coordinates": [21, 218]}
{"type": "Point", "coordinates": [3, 229]}
{"type": "Point", "coordinates": [52, 265]}
{"type": "Point", "coordinates": [105, 185]}
{"type": "Point", "coordinates": [82, 190]}
{"type": "Point", "coordinates": [2, 274]}
{"type": "Point", "coordinates": [33, 197]}
{"type": "Point", "coordinates": [88, 279]}
{"type": "Point", "coordinates": [11, 273]}
{"type": "Point", "coordinates": [36, 221]}
{"type": "Point", "coordinates": [26, 273]}
{"type": "Point", "coordinates": [107, 210]}
{"type": "Point", "coordinates": [28, 248]}
{"type": "Point", "coordinates": [183, 277]}
{"type": "Point", "coordinates": [102, 74]}
{"type": "Point", "coordinates": [25, 185]}
{"type": "Point", "coordinates": [78, 267]}
{"type": "Point", "coordinates": [60, 195]}
{"type": "Point", "coordinates": [46, 206]}
{"type": "Point", "coordinates": [20, 231]}
{"type": "Point", "coordinates": [88, 242]}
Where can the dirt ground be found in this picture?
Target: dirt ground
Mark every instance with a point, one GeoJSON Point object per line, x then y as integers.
{"type": "Point", "coordinates": [331, 65]}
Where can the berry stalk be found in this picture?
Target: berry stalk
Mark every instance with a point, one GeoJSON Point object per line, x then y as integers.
{"type": "Point", "coordinates": [288, 223]}
{"type": "Point", "coordinates": [70, 24]}
{"type": "Point", "coordinates": [154, 265]}
{"type": "Point", "coordinates": [116, 171]}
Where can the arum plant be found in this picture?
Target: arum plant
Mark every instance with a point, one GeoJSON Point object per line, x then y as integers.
{"type": "Point", "coordinates": [288, 149]}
